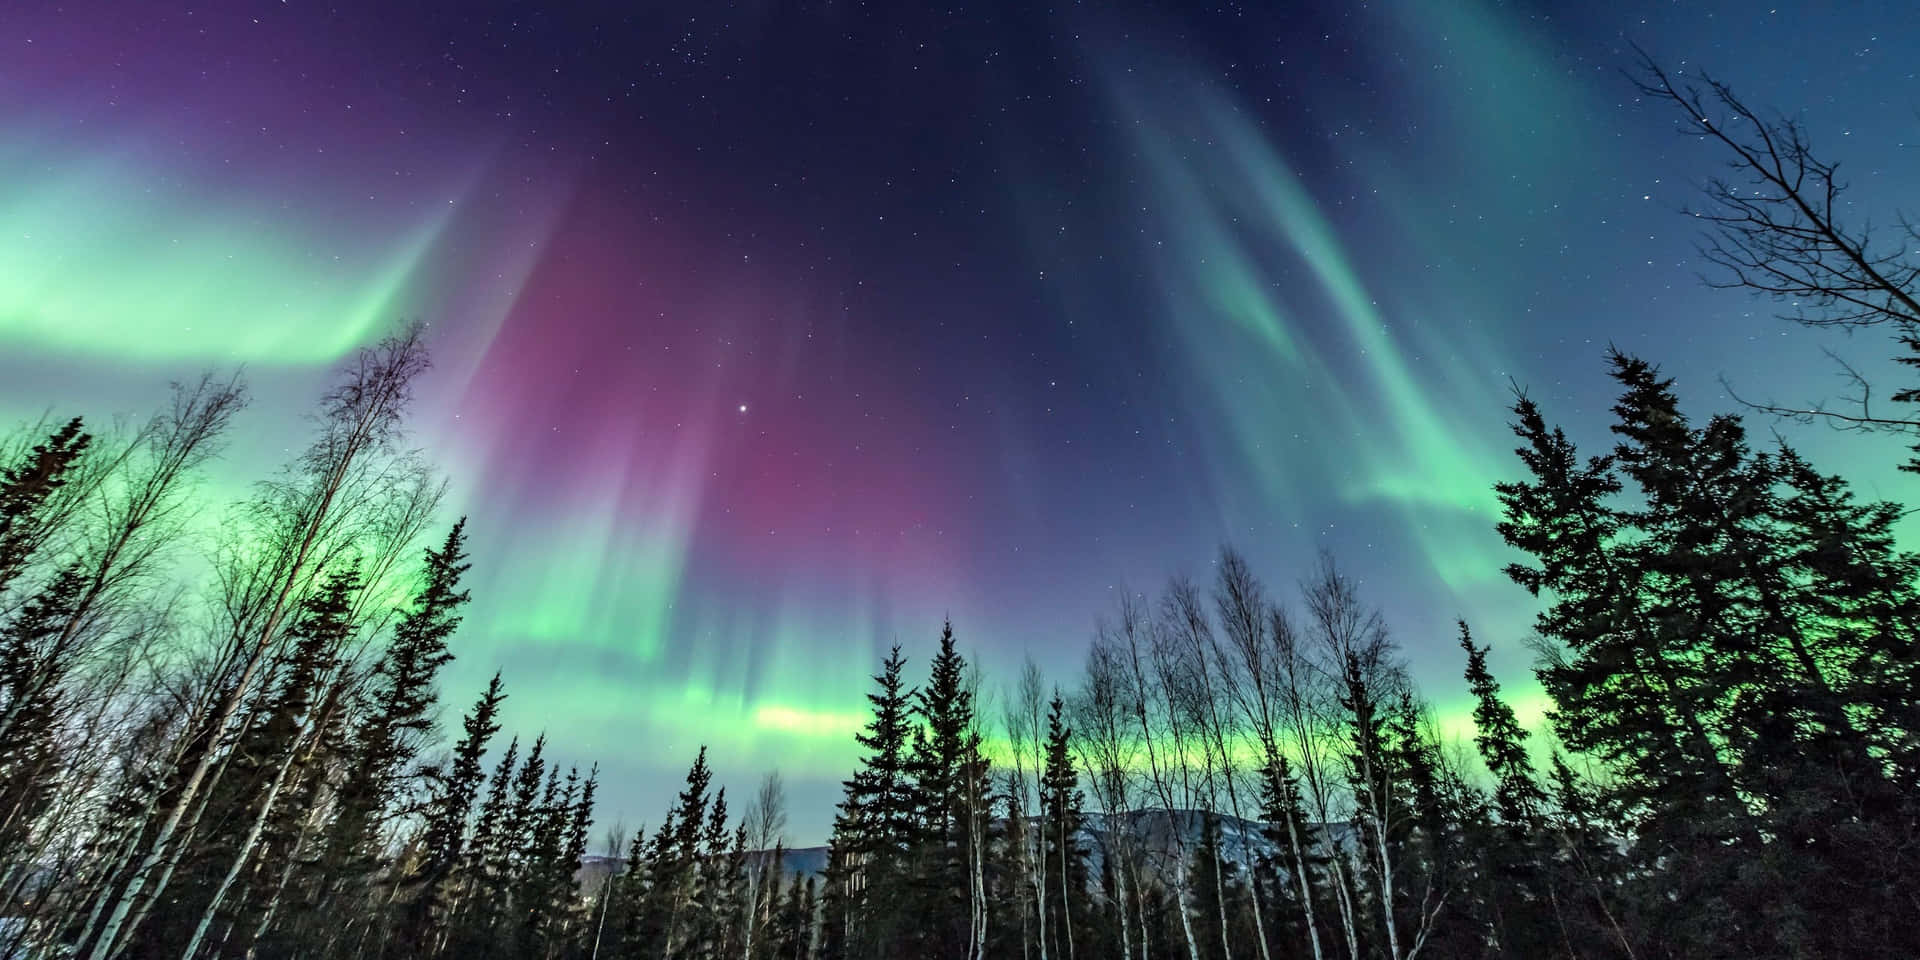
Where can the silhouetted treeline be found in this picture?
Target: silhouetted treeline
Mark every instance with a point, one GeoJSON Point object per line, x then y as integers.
{"type": "Point", "coordinates": [1729, 639]}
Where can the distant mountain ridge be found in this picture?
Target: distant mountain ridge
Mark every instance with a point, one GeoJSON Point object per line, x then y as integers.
{"type": "Point", "coordinates": [1149, 830]}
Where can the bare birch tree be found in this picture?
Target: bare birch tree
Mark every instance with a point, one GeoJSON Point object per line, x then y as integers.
{"type": "Point", "coordinates": [1253, 660]}
{"type": "Point", "coordinates": [358, 420]}
{"type": "Point", "coordinates": [1022, 719]}
{"type": "Point", "coordinates": [1355, 648]}
{"type": "Point", "coordinates": [766, 820]}
{"type": "Point", "coordinates": [1108, 753]}
{"type": "Point", "coordinates": [1143, 655]}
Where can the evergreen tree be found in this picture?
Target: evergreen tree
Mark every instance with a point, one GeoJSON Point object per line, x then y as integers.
{"type": "Point", "coordinates": [1378, 826]}
{"type": "Point", "coordinates": [1222, 925]}
{"type": "Point", "coordinates": [250, 800]}
{"type": "Point", "coordinates": [1514, 901]}
{"type": "Point", "coordinates": [1431, 865]}
{"type": "Point", "coordinates": [1635, 689]}
{"type": "Point", "coordinates": [444, 840]}
{"type": "Point", "coordinates": [25, 488]}
{"type": "Point", "coordinates": [1703, 670]}
{"type": "Point", "coordinates": [579, 823]}
{"type": "Point", "coordinates": [793, 937]}
{"type": "Point", "coordinates": [1584, 869]}
{"type": "Point", "coordinates": [30, 681]}
{"type": "Point", "coordinates": [482, 885]}
{"type": "Point", "coordinates": [400, 714]}
{"type": "Point", "coordinates": [874, 831]}
{"type": "Point", "coordinates": [541, 849]}
{"type": "Point", "coordinates": [713, 899]}
{"type": "Point", "coordinates": [1061, 815]}
{"type": "Point", "coordinates": [948, 784]}
{"type": "Point", "coordinates": [1295, 867]}
{"type": "Point", "coordinates": [1502, 741]}
{"type": "Point", "coordinates": [671, 917]}
{"type": "Point", "coordinates": [625, 922]}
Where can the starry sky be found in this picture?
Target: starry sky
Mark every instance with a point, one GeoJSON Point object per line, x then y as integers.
{"type": "Point", "coordinates": [770, 333]}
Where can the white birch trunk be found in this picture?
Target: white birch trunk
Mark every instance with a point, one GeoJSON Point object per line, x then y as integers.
{"type": "Point", "coordinates": [384, 380]}
{"type": "Point", "coordinates": [245, 853]}
{"type": "Point", "coordinates": [1306, 888]}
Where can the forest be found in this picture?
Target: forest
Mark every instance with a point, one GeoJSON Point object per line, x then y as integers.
{"type": "Point", "coordinates": [232, 746]}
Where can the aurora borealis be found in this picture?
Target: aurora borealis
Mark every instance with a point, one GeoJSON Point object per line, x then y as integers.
{"type": "Point", "coordinates": [770, 334]}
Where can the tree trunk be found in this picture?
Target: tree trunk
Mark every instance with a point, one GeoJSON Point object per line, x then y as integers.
{"type": "Point", "coordinates": [1066, 912]}
{"type": "Point", "coordinates": [1306, 889]}
{"type": "Point", "coordinates": [367, 408]}
{"type": "Point", "coordinates": [245, 853]}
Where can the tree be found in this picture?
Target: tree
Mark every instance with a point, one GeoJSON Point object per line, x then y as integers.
{"type": "Point", "coordinates": [1388, 768]}
{"type": "Point", "coordinates": [135, 499]}
{"type": "Point", "coordinates": [794, 932]}
{"type": "Point", "coordinates": [475, 906]}
{"type": "Point", "coordinates": [30, 675]}
{"type": "Point", "coordinates": [1697, 659]}
{"type": "Point", "coordinates": [1501, 740]}
{"type": "Point", "coordinates": [1152, 678]}
{"type": "Point", "coordinates": [1515, 901]}
{"type": "Point", "coordinates": [1109, 754]}
{"type": "Point", "coordinates": [1021, 720]}
{"type": "Point", "coordinates": [359, 419]}
{"type": "Point", "coordinates": [874, 830]}
{"type": "Point", "coordinates": [1308, 707]}
{"type": "Point", "coordinates": [400, 715]}
{"type": "Point", "coordinates": [1061, 819]}
{"type": "Point", "coordinates": [443, 846]}
{"type": "Point", "coordinates": [1297, 842]}
{"type": "Point", "coordinates": [948, 777]}
{"type": "Point", "coordinates": [1215, 919]}
{"type": "Point", "coordinates": [1218, 687]}
{"type": "Point", "coordinates": [766, 822]}
{"type": "Point", "coordinates": [675, 872]}
{"type": "Point", "coordinates": [25, 488]}
{"type": "Point", "coordinates": [296, 713]}
{"type": "Point", "coordinates": [1777, 226]}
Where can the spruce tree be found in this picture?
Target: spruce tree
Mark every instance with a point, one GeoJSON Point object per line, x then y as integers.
{"type": "Point", "coordinates": [1502, 742]}
{"type": "Point", "coordinates": [1295, 868]}
{"type": "Point", "coordinates": [795, 932]}
{"type": "Point", "coordinates": [444, 843]}
{"type": "Point", "coordinates": [482, 882]}
{"type": "Point", "coordinates": [1378, 825]}
{"type": "Point", "coordinates": [400, 714]}
{"type": "Point", "coordinates": [1210, 901]}
{"type": "Point", "coordinates": [30, 681]}
{"type": "Point", "coordinates": [25, 488]}
{"type": "Point", "coordinates": [713, 897]}
{"type": "Point", "coordinates": [671, 915]}
{"type": "Point", "coordinates": [874, 830]}
{"type": "Point", "coordinates": [948, 779]}
{"type": "Point", "coordinates": [263, 761]}
{"type": "Point", "coordinates": [1513, 849]}
{"type": "Point", "coordinates": [1635, 688]}
{"type": "Point", "coordinates": [1584, 870]}
{"type": "Point", "coordinates": [625, 919]}
{"type": "Point", "coordinates": [1711, 628]}
{"type": "Point", "coordinates": [1061, 803]}
{"type": "Point", "coordinates": [579, 823]}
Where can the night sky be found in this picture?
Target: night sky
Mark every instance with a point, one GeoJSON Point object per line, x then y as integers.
{"type": "Point", "coordinates": [768, 334]}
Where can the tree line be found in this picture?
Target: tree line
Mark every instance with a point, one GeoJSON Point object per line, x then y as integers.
{"type": "Point", "coordinates": [219, 737]}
